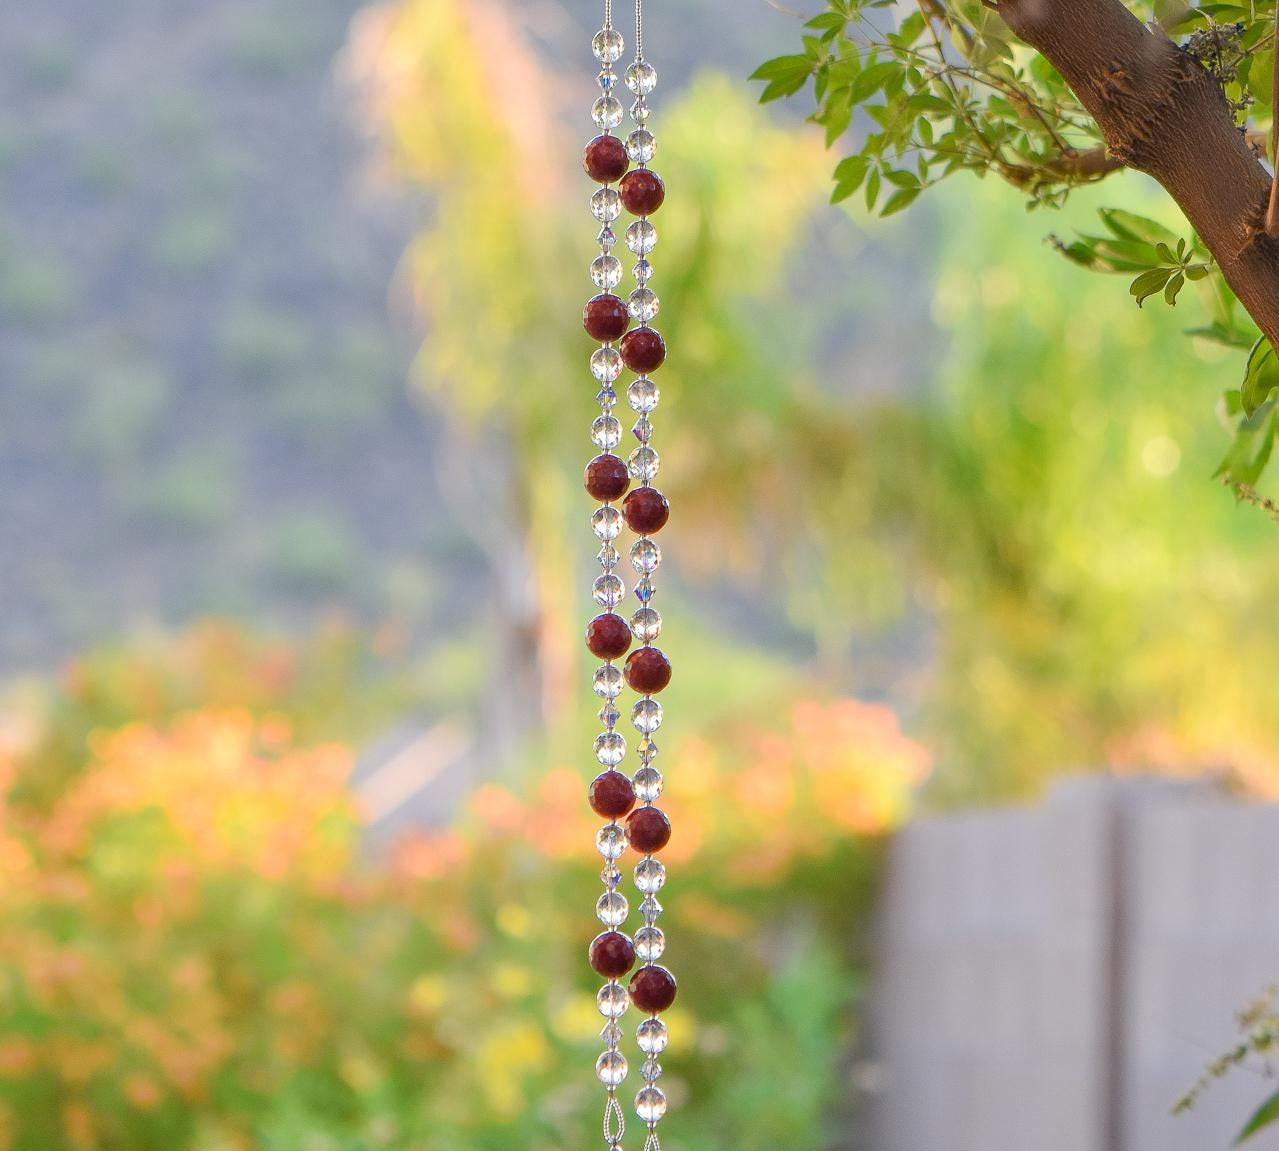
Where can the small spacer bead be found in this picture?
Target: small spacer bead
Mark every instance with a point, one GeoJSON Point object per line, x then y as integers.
{"type": "Point", "coordinates": [648, 829]}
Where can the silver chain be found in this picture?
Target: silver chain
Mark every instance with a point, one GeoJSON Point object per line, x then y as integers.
{"type": "Point", "coordinates": [639, 29]}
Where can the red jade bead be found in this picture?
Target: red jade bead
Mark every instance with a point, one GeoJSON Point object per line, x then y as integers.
{"type": "Point", "coordinates": [608, 636]}
{"type": "Point", "coordinates": [605, 159]}
{"type": "Point", "coordinates": [607, 477]}
{"type": "Point", "coordinates": [612, 954]}
{"type": "Point", "coordinates": [646, 511]}
{"type": "Point", "coordinates": [647, 670]}
{"type": "Point", "coordinates": [643, 350]}
{"type": "Point", "coordinates": [605, 318]}
{"type": "Point", "coordinates": [642, 192]}
{"type": "Point", "coordinates": [652, 988]}
{"type": "Point", "coordinates": [648, 829]}
{"type": "Point", "coordinates": [612, 795]}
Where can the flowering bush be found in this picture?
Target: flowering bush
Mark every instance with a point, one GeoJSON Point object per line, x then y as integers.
{"type": "Point", "coordinates": [196, 956]}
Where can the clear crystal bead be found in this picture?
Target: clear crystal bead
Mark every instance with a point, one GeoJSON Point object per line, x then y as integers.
{"type": "Point", "coordinates": [610, 748]}
{"type": "Point", "coordinates": [644, 590]}
{"type": "Point", "coordinates": [646, 624]}
{"type": "Point", "coordinates": [650, 875]}
{"type": "Point", "coordinates": [642, 429]}
{"type": "Point", "coordinates": [610, 876]}
{"type": "Point", "coordinates": [650, 1070]}
{"type": "Point", "coordinates": [650, 1104]}
{"type": "Point", "coordinates": [645, 555]}
{"type": "Point", "coordinates": [608, 45]}
{"type": "Point", "coordinates": [606, 272]}
{"type": "Point", "coordinates": [641, 147]}
{"type": "Point", "coordinates": [609, 715]}
{"type": "Point", "coordinates": [611, 908]}
{"type": "Point", "coordinates": [608, 557]}
{"type": "Point", "coordinates": [606, 432]}
{"type": "Point", "coordinates": [641, 77]}
{"type": "Point", "coordinates": [644, 463]}
{"type": "Point", "coordinates": [606, 239]}
{"type": "Point", "coordinates": [647, 753]}
{"type": "Point", "coordinates": [639, 111]}
{"type": "Point", "coordinates": [607, 78]}
{"type": "Point", "coordinates": [643, 394]}
{"type": "Point", "coordinates": [641, 237]}
{"type": "Point", "coordinates": [646, 715]}
{"type": "Point", "coordinates": [606, 397]}
{"type": "Point", "coordinates": [652, 1036]}
{"type": "Point", "coordinates": [606, 364]}
{"type": "Point", "coordinates": [643, 305]}
{"type": "Point", "coordinates": [611, 1033]}
{"type": "Point", "coordinates": [642, 271]}
{"type": "Point", "coordinates": [650, 942]}
{"type": "Point", "coordinates": [610, 841]}
{"type": "Point", "coordinates": [606, 205]}
{"type": "Point", "coordinates": [607, 521]}
{"type": "Point", "coordinates": [610, 1068]}
{"type": "Point", "coordinates": [607, 680]}
{"type": "Point", "coordinates": [608, 591]}
{"type": "Point", "coordinates": [650, 909]}
{"type": "Point", "coordinates": [613, 1000]}
{"type": "Point", "coordinates": [607, 112]}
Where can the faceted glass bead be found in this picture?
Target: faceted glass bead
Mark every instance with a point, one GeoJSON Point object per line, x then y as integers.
{"type": "Point", "coordinates": [609, 590]}
{"type": "Point", "coordinates": [645, 556]}
{"type": "Point", "coordinates": [610, 1068]}
{"type": "Point", "coordinates": [606, 317]}
{"type": "Point", "coordinates": [607, 521]}
{"type": "Point", "coordinates": [606, 364]}
{"type": "Point", "coordinates": [641, 237]}
{"type": "Point", "coordinates": [646, 624]}
{"type": "Point", "coordinates": [643, 395]}
{"type": "Point", "coordinates": [607, 682]}
{"type": "Point", "coordinates": [609, 715]}
{"type": "Point", "coordinates": [646, 510]}
{"type": "Point", "coordinates": [607, 112]}
{"type": "Point", "coordinates": [648, 784]}
{"type": "Point", "coordinates": [611, 794]}
{"type": "Point", "coordinates": [648, 829]}
{"type": "Point", "coordinates": [646, 715]}
{"type": "Point", "coordinates": [606, 476]}
{"type": "Point", "coordinates": [612, 954]}
{"type": "Point", "coordinates": [652, 1036]}
{"type": "Point", "coordinates": [650, 941]}
{"type": "Point", "coordinates": [641, 77]}
{"type": "Point", "coordinates": [606, 432]}
{"type": "Point", "coordinates": [650, 909]}
{"type": "Point", "coordinates": [642, 429]}
{"type": "Point", "coordinates": [610, 841]}
{"type": "Point", "coordinates": [606, 238]}
{"type": "Point", "coordinates": [610, 876]}
{"type": "Point", "coordinates": [642, 191]}
{"type": "Point", "coordinates": [642, 271]}
{"type": "Point", "coordinates": [644, 590]}
{"type": "Point", "coordinates": [606, 397]}
{"type": "Point", "coordinates": [652, 988]}
{"type": "Point", "coordinates": [650, 1104]}
{"type": "Point", "coordinates": [611, 908]}
{"type": "Point", "coordinates": [606, 78]}
{"type": "Point", "coordinates": [650, 1070]}
{"type": "Point", "coordinates": [650, 876]}
{"type": "Point", "coordinates": [606, 204]}
{"type": "Point", "coordinates": [643, 350]}
{"type": "Point", "coordinates": [611, 1033]}
{"type": "Point", "coordinates": [647, 749]}
{"type": "Point", "coordinates": [640, 110]}
{"type": "Point", "coordinates": [647, 670]}
{"type": "Point", "coordinates": [644, 463]}
{"type": "Point", "coordinates": [612, 1000]}
{"type": "Point", "coordinates": [641, 147]}
{"type": "Point", "coordinates": [610, 748]}
{"type": "Point", "coordinates": [608, 636]}
{"type": "Point", "coordinates": [607, 44]}
{"type": "Point", "coordinates": [605, 160]}
{"type": "Point", "coordinates": [608, 557]}
{"type": "Point", "coordinates": [606, 272]}
{"type": "Point", "coordinates": [643, 305]}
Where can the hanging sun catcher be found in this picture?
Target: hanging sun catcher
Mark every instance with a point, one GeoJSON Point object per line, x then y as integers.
{"type": "Point", "coordinates": [623, 489]}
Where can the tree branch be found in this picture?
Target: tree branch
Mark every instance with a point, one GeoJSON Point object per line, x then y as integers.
{"type": "Point", "coordinates": [1161, 113]}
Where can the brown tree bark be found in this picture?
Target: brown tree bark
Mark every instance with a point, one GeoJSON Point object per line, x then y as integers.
{"type": "Point", "coordinates": [1161, 113]}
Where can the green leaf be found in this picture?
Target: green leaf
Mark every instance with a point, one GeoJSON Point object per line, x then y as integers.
{"type": "Point", "coordinates": [1250, 452]}
{"type": "Point", "coordinates": [872, 78]}
{"type": "Point", "coordinates": [1260, 377]}
{"type": "Point", "coordinates": [1172, 287]}
{"type": "Point", "coordinates": [1130, 226]}
{"type": "Point", "coordinates": [900, 199]}
{"type": "Point", "coordinates": [1263, 1117]}
{"type": "Point", "coordinates": [786, 75]}
{"type": "Point", "coordinates": [872, 188]}
{"type": "Point", "coordinates": [1148, 283]}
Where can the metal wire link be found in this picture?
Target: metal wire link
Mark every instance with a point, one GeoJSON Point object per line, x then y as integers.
{"type": "Point", "coordinates": [639, 29]}
{"type": "Point", "coordinates": [614, 1120]}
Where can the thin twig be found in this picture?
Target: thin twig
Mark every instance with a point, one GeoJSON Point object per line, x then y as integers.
{"type": "Point", "coordinates": [1250, 495]}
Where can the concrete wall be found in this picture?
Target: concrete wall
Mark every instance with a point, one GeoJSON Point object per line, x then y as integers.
{"type": "Point", "coordinates": [1052, 979]}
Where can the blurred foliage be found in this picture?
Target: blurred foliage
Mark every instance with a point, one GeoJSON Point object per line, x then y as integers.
{"type": "Point", "coordinates": [946, 87]}
{"type": "Point", "coordinates": [195, 958]}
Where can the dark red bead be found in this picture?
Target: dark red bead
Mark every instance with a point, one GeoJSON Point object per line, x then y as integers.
{"type": "Point", "coordinates": [611, 795]}
{"type": "Point", "coordinates": [607, 477]}
{"type": "Point", "coordinates": [612, 954]}
{"type": "Point", "coordinates": [643, 350]}
{"type": "Point", "coordinates": [647, 670]}
{"type": "Point", "coordinates": [608, 636]}
{"type": "Point", "coordinates": [605, 318]}
{"type": "Point", "coordinates": [605, 159]}
{"type": "Point", "coordinates": [652, 988]}
{"type": "Point", "coordinates": [642, 192]}
{"type": "Point", "coordinates": [648, 829]}
{"type": "Point", "coordinates": [646, 511]}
